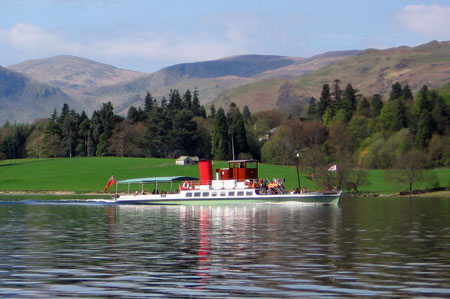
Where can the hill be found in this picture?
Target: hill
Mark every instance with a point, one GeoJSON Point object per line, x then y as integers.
{"type": "Point", "coordinates": [212, 78]}
{"type": "Point", "coordinates": [371, 71]}
{"type": "Point", "coordinates": [90, 82]}
{"type": "Point", "coordinates": [75, 76]}
{"type": "Point", "coordinates": [23, 99]}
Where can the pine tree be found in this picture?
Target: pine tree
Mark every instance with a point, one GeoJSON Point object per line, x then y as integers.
{"type": "Point", "coordinates": [441, 117]}
{"type": "Point", "coordinates": [324, 101]}
{"type": "Point", "coordinates": [196, 107]}
{"type": "Point", "coordinates": [187, 100]}
{"type": "Point", "coordinates": [246, 115]}
{"type": "Point", "coordinates": [349, 101]}
{"type": "Point", "coordinates": [407, 93]}
{"type": "Point", "coordinates": [220, 141]}
{"type": "Point", "coordinates": [424, 130]}
{"type": "Point", "coordinates": [399, 117]}
{"type": "Point", "coordinates": [363, 108]}
{"type": "Point", "coordinates": [238, 133]}
{"type": "Point", "coordinates": [336, 90]}
{"type": "Point", "coordinates": [376, 104]}
{"type": "Point", "coordinates": [148, 103]}
{"type": "Point", "coordinates": [212, 111]}
{"type": "Point", "coordinates": [396, 91]}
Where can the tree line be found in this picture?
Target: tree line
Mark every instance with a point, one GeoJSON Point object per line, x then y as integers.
{"type": "Point", "coordinates": [176, 125]}
{"type": "Point", "coordinates": [342, 127]}
{"type": "Point", "coordinates": [404, 134]}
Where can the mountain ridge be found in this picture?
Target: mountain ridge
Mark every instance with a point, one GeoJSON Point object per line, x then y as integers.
{"type": "Point", "coordinates": [23, 99]}
{"type": "Point", "coordinates": [372, 71]}
{"type": "Point", "coordinates": [260, 82]}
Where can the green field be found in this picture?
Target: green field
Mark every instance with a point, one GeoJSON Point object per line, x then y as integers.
{"type": "Point", "coordinates": [85, 175]}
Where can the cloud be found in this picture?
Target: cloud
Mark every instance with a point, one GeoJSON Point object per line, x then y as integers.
{"type": "Point", "coordinates": [31, 38]}
{"type": "Point", "coordinates": [430, 20]}
{"type": "Point", "coordinates": [35, 41]}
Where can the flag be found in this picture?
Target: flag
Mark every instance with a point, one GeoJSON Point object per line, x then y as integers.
{"type": "Point", "coordinates": [110, 182]}
{"type": "Point", "coordinates": [333, 168]}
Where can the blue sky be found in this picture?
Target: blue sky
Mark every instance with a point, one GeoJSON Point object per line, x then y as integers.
{"type": "Point", "coordinates": [147, 35]}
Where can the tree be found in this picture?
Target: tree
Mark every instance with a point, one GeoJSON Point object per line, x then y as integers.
{"type": "Point", "coordinates": [407, 93]}
{"type": "Point", "coordinates": [441, 116]}
{"type": "Point", "coordinates": [376, 104]}
{"type": "Point", "coordinates": [212, 111]}
{"type": "Point", "coordinates": [336, 90]}
{"type": "Point", "coordinates": [220, 144]}
{"type": "Point", "coordinates": [313, 159]}
{"type": "Point", "coordinates": [358, 176]}
{"type": "Point", "coordinates": [34, 143]}
{"type": "Point", "coordinates": [196, 107]}
{"type": "Point", "coordinates": [349, 101]}
{"type": "Point", "coordinates": [409, 169]}
{"type": "Point", "coordinates": [52, 143]}
{"type": "Point", "coordinates": [246, 115]}
{"type": "Point", "coordinates": [363, 108]}
{"type": "Point", "coordinates": [69, 122]}
{"type": "Point", "coordinates": [324, 100]}
{"type": "Point", "coordinates": [424, 130]}
{"type": "Point", "coordinates": [13, 141]}
{"type": "Point", "coordinates": [399, 117]}
{"type": "Point", "coordinates": [184, 134]}
{"type": "Point", "coordinates": [126, 140]}
{"type": "Point", "coordinates": [280, 149]}
{"type": "Point", "coordinates": [84, 134]}
{"type": "Point", "coordinates": [102, 124]}
{"type": "Point", "coordinates": [133, 114]}
{"type": "Point", "coordinates": [396, 92]}
{"type": "Point", "coordinates": [187, 100]}
{"type": "Point", "coordinates": [149, 102]}
{"type": "Point", "coordinates": [267, 120]}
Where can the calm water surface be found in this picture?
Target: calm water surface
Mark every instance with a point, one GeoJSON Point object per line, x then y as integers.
{"type": "Point", "coordinates": [365, 247]}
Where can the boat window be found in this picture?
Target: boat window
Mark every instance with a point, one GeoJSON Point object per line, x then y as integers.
{"type": "Point", "coordinates": [214, 194]}
{"type": "Point", "coordinates": [205, 194]}
{"type": "Point", "coordinates": [249, 193]}
{"type": "Point", "coordinates": [231, 193]}
{"type": "Point", "coordinates": [240, 193]}
{"type": "Point", "coordinates": [197, 194]}
{"type": "Point", "coordinates": [223, 193]}
{"type": "Point", "coordinates": [189, 194]}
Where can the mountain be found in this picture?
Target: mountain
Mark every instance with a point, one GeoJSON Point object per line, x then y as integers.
{"type": "Point", "coordinates": [259, 81]}
{"type": "Point", "coordinates": [90, 83]}
{"type": "Point", "coordinates": [212, 78]}
{"type": "Point", "coordinates": [371, 71]}
{"type": "Point", "coordinates": [23, 99]}
{"type": "Point", "coordinates": [72, 73]}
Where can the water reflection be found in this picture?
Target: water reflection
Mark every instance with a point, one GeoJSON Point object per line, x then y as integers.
{"type": "Point", "coordinates": [365, 247]}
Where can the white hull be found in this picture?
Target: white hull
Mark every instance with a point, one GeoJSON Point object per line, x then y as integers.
{"type": "Point", "coordinates": [230, 196]}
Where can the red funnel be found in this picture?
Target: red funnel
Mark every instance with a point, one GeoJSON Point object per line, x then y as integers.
{"type": "Point", "coordinates": [205, 167]}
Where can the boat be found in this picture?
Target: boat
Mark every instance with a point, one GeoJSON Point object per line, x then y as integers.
{"type": "Point", "coordinates": [238, 183]}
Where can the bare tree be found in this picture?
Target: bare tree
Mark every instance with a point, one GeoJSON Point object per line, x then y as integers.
{"type": "Point", "coordinates": [409, 169]}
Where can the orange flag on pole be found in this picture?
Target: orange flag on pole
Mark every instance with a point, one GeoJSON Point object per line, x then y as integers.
{"type": "Point", "coordinates": [110, 182]}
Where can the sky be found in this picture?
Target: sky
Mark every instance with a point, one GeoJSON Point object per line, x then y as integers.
{"type": "Point", "coordinates": [147, 35]}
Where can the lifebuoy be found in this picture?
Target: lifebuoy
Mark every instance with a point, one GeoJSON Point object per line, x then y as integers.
{"type": "Point", "coordinates": [186, 185]}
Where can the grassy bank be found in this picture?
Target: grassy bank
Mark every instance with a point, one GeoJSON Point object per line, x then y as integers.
{"type": "Point", "coordinates": [85, 175]}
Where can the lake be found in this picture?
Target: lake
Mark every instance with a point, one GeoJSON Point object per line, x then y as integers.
{"type": "Point", "coordinates": [380, 247]}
